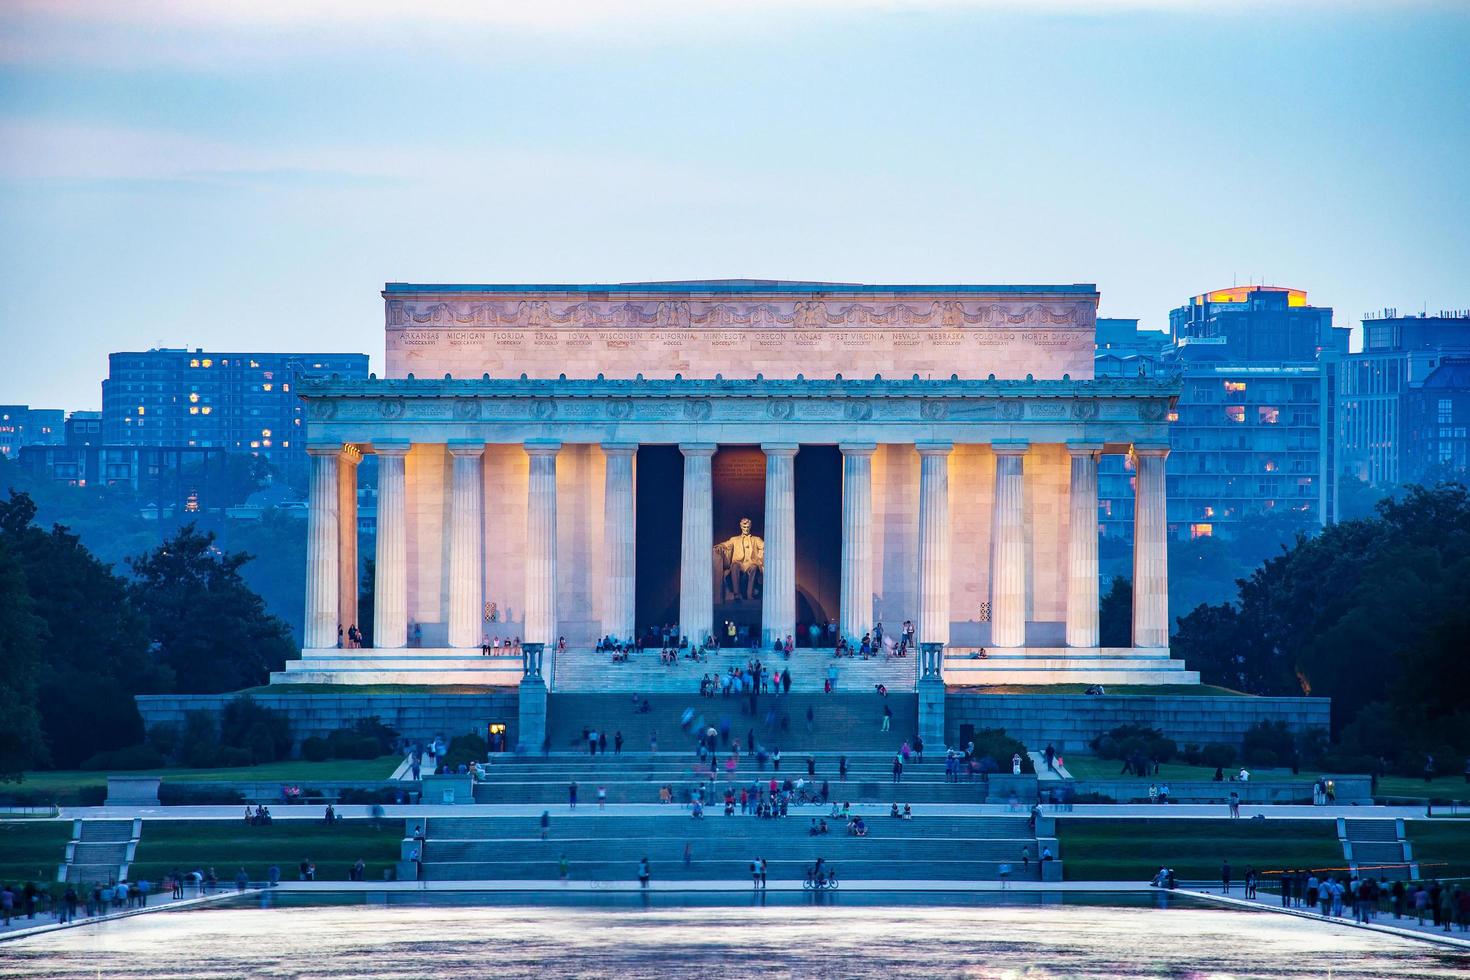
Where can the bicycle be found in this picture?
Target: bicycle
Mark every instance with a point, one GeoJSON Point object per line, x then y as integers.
{"type": "Point", "coordinates": [819, 881]}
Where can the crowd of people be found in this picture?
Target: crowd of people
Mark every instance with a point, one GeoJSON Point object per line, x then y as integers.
{"type": "Point", "coordinates": [1367, 899]}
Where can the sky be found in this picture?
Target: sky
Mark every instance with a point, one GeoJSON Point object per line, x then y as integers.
{"type": "Point", "coordinates": [247, 175]}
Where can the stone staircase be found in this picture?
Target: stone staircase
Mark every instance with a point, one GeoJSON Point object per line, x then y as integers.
{"type": "Point", "coordinates": [100, 851]}
{"type": "Point", "coordinates": [602, 847]}
{"type": "Point", "coordinates": [1064, 665]}
{"type": "Point", "coordinates": [584, 669]}
{"type": "Point", "coordinates": [842, 722]}
{"type": "Point", "coordinates": [427, 665]}
{"type": "Point", "coordinates": [637, 777]}
{"type": "Point", "coordinates": [1377, 847]}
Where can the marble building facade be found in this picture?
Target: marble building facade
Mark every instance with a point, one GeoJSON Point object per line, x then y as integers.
{"type": "Point", "coordinates": [508, 433]}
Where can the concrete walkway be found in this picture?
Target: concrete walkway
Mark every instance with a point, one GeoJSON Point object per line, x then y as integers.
{"type": "Point", "coordinates": [1407, 927]}
{"type": "Point", "coordinates": [1044, 775]}
{"type": "Point", "coordinates": [1100, 811]}
{"type": "Point", "coordinates": [20, 927]}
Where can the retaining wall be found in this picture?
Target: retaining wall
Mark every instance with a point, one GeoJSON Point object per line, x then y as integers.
{"type": "Point", "coordinates": [1070, 721]}
{"type": "Point", "coordinates": [418, 717]}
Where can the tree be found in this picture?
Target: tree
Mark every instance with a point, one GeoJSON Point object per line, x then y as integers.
{"type": "Point", "coordinates": [22, 634]}
{"type": "Point", "coordinates": [206, 623]}
{"type": "Point", "coordinates": [95, 656]}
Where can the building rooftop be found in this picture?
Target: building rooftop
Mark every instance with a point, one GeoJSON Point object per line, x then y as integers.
{"type": "Point", "coordinates": [759, 287]}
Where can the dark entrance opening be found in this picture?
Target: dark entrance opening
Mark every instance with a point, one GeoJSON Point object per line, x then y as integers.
{"type": "Point", "coordinates": [738, 476]}
{"type": "Point", "coordinates": [660, 515]}
{"type": "Point", "coordinates": [818, 543]}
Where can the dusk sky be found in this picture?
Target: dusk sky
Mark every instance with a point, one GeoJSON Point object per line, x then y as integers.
{"type": "Point", "coordinates": [248, 175]}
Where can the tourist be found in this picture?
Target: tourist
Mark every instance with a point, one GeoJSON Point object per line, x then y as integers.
{"type": "Point", "coordinates": [618, 742]}
{"type": "Point", "coordinates": [545, 823]}
{"type": "Point", "coordinates": [1250, 881]}
{"type": "Point", "coordinates": [1225, 878]}
{"type": "Point", "coordinates": [359, 870]}
{"type": "Point", "coordinates": [1051, 758]}
{"type": "Point", "coordinates": [572, 795]}
{"type": "Point", "coordinates": [417, 857]}
{"type": "Point", "coordinates": [645, 872]}
{"type": "Point", "coordinates": [1026, 857]}
{"type": "Point", "coordinates": [842, 769]}
{"type": "Point", "coordinates": [887, 716]}
{"type": "Point", "coordinates": [241, 880]}
{"type": "Point", "coordinates": [1234, 805]}
{"type": "Point", "coordinates": [602, 797]}
{"type": "Point", "coordinates": [897, 768]}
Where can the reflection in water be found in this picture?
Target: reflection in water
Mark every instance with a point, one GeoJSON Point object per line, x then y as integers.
{"type": "Point", "coordinates": [838, 939]}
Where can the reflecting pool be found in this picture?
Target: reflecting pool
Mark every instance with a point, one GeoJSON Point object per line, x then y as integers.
{"type": "Point", "coordinates": [670, 937]}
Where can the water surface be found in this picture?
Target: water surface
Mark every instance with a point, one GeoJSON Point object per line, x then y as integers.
{"type": "Point", "coordinates": [671, 938]}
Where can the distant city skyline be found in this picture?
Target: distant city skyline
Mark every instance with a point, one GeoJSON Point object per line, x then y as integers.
{"type": "Point", "coordinates": [205, 175]}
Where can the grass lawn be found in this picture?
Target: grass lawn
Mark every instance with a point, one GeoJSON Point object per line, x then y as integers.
{"type": "Point", "coordinates": [1408, 787]}
{"type": "Point", "coordinates": [1091, 767]}
{"type": "Point", "coordinates": [1173, 690]}
{"type": "Point", "coordinates": [225, 845]}
{"type": "Point", "coordinates": [1441, 848]}
{"type": "Point", "coordinates": [1132, 850]}
{"type": "Point", "coordinates": [31, 849]}
{"type": "Point", "coordinates": [64, 781]}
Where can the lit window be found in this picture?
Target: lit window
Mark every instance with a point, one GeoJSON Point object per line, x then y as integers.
{"type": "Point", "coordinates": [254, 363]}
{"type": "Point", "coordinates": [1235, 386]}
{"type": "Point", "coordinates": [1201, 530]}
{"type": "Point", "coordinates": [265, 432]}
{"type": "Point", "coordinates": [207, 362]}
{"type": "Point", "coordinates": [285, 386]}
{"type": "Point", "coordinates": [142, 410]}
{"type": "Point", "coordinates": [266, 387]}
{"type": "Point", "coordinates": [265, 442]}
{"type": "Point", "coordinates": [1173, 416]}
{"type": "Point", "coordinates": [194, 362]}
{"type": "Point", "coordinates": [1209, 511]}
{"type": "Point", "coordinates": [193, 409]}
{"type": "Point", "coordinates": [193, 396]}
{"type": "Point", "coordinates": [254, 444]}
{"type": "Point", "coordinates": [1267, 414]}
{"type": "Point", "coordinates": [206, 410]}
{"type": "Point", "coordinates": [285, 442]}
{"type": "Point", "coordinates": [1235, 413]}
{"type": "Point", "coordinates": [1270, 466]}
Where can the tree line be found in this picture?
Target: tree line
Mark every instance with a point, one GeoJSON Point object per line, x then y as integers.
{"type": "Point", "coordinates": [78, 639]}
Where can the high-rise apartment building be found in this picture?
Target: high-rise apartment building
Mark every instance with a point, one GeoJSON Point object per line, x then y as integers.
{"type": "Point", "coordinates": [21, 425]}
{"type": "Point", "coordinates": [1382, 442]}
{"type": "Point", "coordinates": [1254, 430]}
{"type": "Point", "coordinates": [240, 402]}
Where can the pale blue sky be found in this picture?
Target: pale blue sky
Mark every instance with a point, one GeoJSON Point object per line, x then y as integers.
{"type": "Point", "coordinates": [248, 175]}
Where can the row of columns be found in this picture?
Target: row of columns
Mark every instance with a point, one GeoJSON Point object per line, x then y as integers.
{"type": "Point", "coordinates": [332, 559]}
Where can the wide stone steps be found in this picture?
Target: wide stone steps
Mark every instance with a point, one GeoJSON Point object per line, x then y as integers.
{"type": "Point", "coordinates": [1065, 665]}
{"type": "Point", "coordinates": [837, 845]}
{"type": "Point", "coordinates": [586, 670]}
{"type": "Point", "coordinates": [99, 851]}
{"type": "Point", "coordinates": [1375, 852]}
{"type": "Point", "coordinates": [672, 868]}
{"type": "Point", "coordinates": [105, 831]}
{"type": "Point", "coordinates": [842, 722]}
{"type": "Point", "coordinates": [1371, 830]}
{"type": "Point", "coordinates": [672, 821]}
{"type": "Point", "coordinates": [427, 665]}
{"type": "Point", "coordinates": [905, 792]}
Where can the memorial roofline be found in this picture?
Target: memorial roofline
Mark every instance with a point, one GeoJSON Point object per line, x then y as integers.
{"type": "Point", "coordinates": [740, 387]}
{"type": "Point", "coordinates": [752, 287]}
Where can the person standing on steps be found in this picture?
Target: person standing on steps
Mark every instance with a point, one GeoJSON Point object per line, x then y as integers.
{"type": "Point", "coordinates": [887, 718]}
{"type": "Point", "coordinates": [842, 769]}
{"type": "Point", "coordinates": [618, 743]}
{"type": "Point", "coordinates": [897, 767]}
{"type": "Point", "coordinates": [545, 823]}
{"type": "Point", "coordinates": [572, 795]}
{"type": "Point", "coordinates": [810, 717]}
{"type": "Point", "coordinates": [645, 872]}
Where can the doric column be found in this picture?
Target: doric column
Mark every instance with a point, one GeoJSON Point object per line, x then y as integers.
{"type": "Point", "coordinates": [347, 538]}
{"type": "Point", "coordinates": [697, 544]}
{"type": "Point", "coordinates": [390, 570]}
{"type": "Point", "coordinates": [541, 543]}
{"type": "Point", "coordinates": [618, 535]}
{"type": "Point", "coordinates": [466, 544]}
{"type": "Point", "coordinates": [322, 555]}
{"type": "Point", "coordinates": [856, 605]}
{"type": "Point", "coordinates": [1150, 549]}
{"type": "Point", "coordinates": [1008, 529]}
{"type": "Point", "coordinates": [778, 593]}
{"type": "Point", "coordinates": [1082, 546]}
{"type": "Point", "coordinates": [934, 574]}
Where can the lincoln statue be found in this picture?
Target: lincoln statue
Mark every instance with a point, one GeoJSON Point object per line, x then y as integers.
{"type": "Point", "coordinates": [742, 560]}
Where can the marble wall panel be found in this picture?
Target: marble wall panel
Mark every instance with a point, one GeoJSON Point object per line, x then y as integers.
{"type": "Point", "coordinates": [580, 488]}
{"type": "Point", "coordinates": [895, 535]}
{"type": "Point", "coordinates": [507, 472]}
{"type": "Point", "coordinates": [971, 492]}
{"type": "Point", "coordinates": [426, 484]}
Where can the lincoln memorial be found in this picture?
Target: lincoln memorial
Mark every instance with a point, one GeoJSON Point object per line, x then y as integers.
{"type": "Point", "coordinates": [743, 461]}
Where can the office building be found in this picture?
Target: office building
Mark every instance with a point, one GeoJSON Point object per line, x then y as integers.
{"type": "Point", "coordinates": [21, 426]}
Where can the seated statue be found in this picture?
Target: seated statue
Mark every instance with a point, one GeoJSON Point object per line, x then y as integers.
{"type": "Point", "coordinates": [741, 560]}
